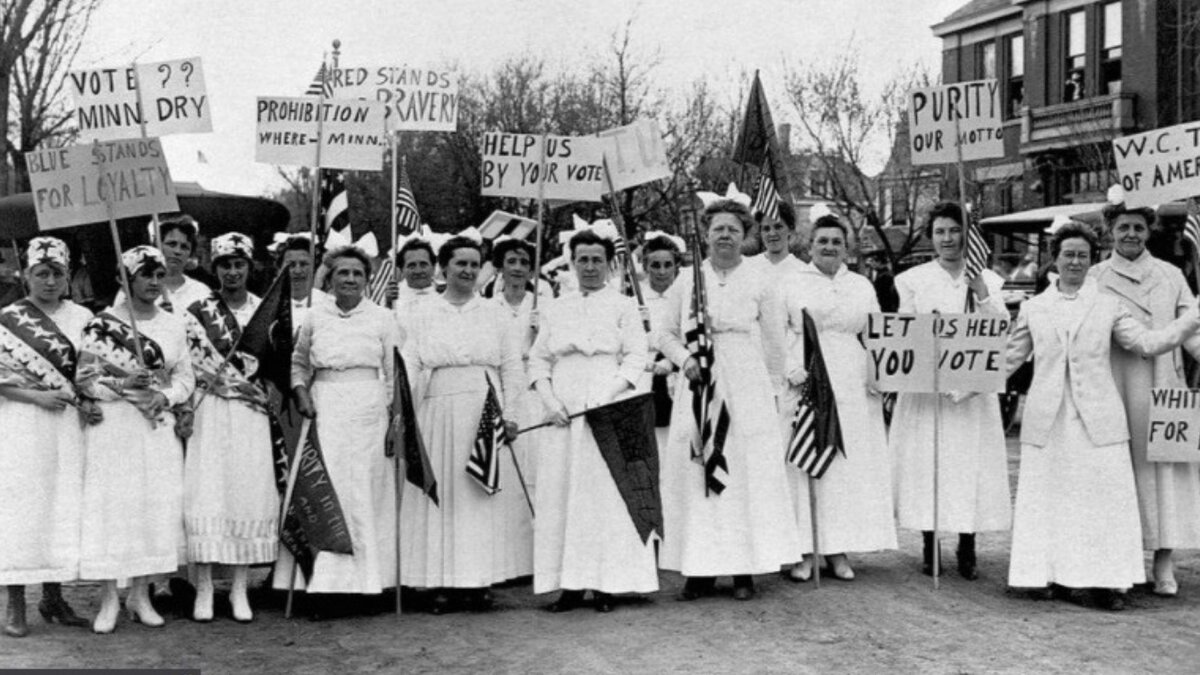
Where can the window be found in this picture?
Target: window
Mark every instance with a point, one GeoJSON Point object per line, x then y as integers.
{"type": "Point", "coordinates": [1076, 56]}
{"type": "Point", "coordinates": [986, 53]}
{"type": "Point", "coordinates": [1110, 55]}
{"type": "Point", "coordinates": [1015, 50]}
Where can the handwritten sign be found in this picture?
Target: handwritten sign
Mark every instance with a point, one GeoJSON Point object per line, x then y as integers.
{"type": "Point", "coordinates": [969, 354]}
{"type": "Point", "coordinates": [512, 166]}
{"type": "Point", "coordinates": [1159, 166]}
{"type": "Point", "coordinates": [417, 99]}
{"type": "Point", "coordinates": [352, 134]}
{"type": "Point", "coordinates": [964, 114]}
{"type": "Point", "coordinates": [74, 185]}
{"type": "Point", "coordinates": [107, 105]}
{"type": "Point", "coordinates": [636, 154]}
{"type": "Point", "coordinates": [1173, 434]}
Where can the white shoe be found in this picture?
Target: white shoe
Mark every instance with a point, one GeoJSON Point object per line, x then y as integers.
{"type": "Point", "coordinates": [106, 619]}
{"type": "Point", "coordinates": [241, 606]}
{"type": "Point", "coordinates": [143, 612]}
{"type": "Point", "coordinates": [202, 610]}
{"type": "Point", "coordinates": [1167, 588]}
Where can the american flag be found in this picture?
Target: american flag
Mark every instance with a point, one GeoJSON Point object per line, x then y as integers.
{"type": "Point", "coordinates": [321, 85]}
{"type": "Point", "coordinates": [484, 463]}
{"type": "Point", "coordinates": [708, 406]}
{"type": "Point", "coordinates": [385, 278]}
{"type": "Point", "coordinates": [766, 197]}
{"type": "Point", "coordinates": [1191, 231]}
{"type": "Point", "coordinates": [816, 427]}
{"type": "Point", "coordinates": [977, 253]}
{"type": "Point", "coordinates": [335, 204]}
{"type": "Point", "coordinates": [407, 217]}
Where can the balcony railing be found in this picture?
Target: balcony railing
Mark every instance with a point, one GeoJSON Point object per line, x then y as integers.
{"type": "Point", "coordinates": [1091, 120]}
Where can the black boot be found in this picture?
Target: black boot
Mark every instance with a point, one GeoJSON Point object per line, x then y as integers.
{"type": "Point", "coordinates": [743, 587]}
{"type": "Point", "coordinates": [54, 608]}
{"type": "Point", "coordinates": [927, 567]}
{"type": "Point", "coordinates": [567, 601]}
{"type": "Point", "coordinates": [697, 587]}
{"type": "Point", "coordinates": [966, 556]}
{"type": "Point", "coordinates": [602, 602]}
{"type": "Point", "coordinates": [14, 623]}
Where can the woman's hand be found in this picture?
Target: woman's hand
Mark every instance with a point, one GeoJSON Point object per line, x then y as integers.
{"type": "Point", "coordinates": [304, 402]}
{"type": "Point", "coordinates": [873, 389]}
{"type": "Point", "coordinates": [511, 431]}
{"type": "Point", "coordinates": [691, 369]}
{"type": "Point", "coordinates": [158, 404]}
{"type": "Point", "coordinates": [797, 376]}
{"type": "Point", "coordinates": [977, 285]}
{"type": "Point", "coordinates": [662, 367]}
{"type": "Point", "coordinates": [183, 424]}
{"type": "Point", "coordinates": [90, 413]}
{"type": "Point", "coordinates": [51, 400]}
{"type": "Point", "coordinates": [556, 412]}
{"type": "Point", "coordinates": [139, 379]}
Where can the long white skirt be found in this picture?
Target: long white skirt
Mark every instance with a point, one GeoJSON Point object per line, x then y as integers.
{"type": "Point", "coordinates": [42, 479]}
{"type": "Point", "coordinates": [750, 528]}
{"type": "Point", "coordinates": [855, 511]}
{"type": "Point", "coordinates": [464, 541]}
{"type": "Point", "coordinates": [352, 425]}
{"type": "Point", "coordinates": [584, 537]}
{"type": "Point", "coordinates": [973, 493]}
{"type": "Point", "coordinates": [132, 496]}
{"type": "Point", "coordinates": [230, 505]}
{"type": "Point", "coordinates": [519, 523]}
{"type": "Point", "coordinates": [1076, 521]}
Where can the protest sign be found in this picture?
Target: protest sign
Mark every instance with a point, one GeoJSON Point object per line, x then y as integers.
{"type": "Point", "coordinates": [72, 185]}
{"type": "Point", "coordinates": [1173, 434]}
{"type": "Point", "coordinates": [352, 134]}
{"type": "Point", "coordinates": [969, 352]}
{"type": "Point", "coordinates": [107, 106]}
{"type": "Point", "coordinates": [942, 118]}
{"type": "Point", "coordinates": [417, 99]}
{"type": "Point", "coordinates": [1159, 166]}
{"type": "Point", "coordinates": [512, 167]}
{"type": "Point", "coordinates": [636, 154]}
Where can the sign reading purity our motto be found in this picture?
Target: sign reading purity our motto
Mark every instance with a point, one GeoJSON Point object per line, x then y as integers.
{"type": "Point", "coordinates": [74, 185]}
{"type": "Point", "coordinates": [969, 354]}
{"type": "Point", "coordinates": [351, 132]}
{"type": "Point", "coordinates": [966, 114]}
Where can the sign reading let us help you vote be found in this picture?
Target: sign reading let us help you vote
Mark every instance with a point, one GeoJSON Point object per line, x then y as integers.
{"type": "Point", "coordinates": [1173, 434]}
{"type": "Point", "coordinates": [1159, 166]}
{"type": "Point", "coordinates": [75, 185]}
{"type": "Point", "coordinates": [968, 355]}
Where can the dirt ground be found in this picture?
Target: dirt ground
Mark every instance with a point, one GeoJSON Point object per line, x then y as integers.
{"type": "Point", "coordinates": [888, 620]}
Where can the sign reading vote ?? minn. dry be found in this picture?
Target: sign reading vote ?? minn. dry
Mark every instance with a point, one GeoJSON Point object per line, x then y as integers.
{"type": "Point", "coordinates": [1173, 434]}
{"type": "Point", "coordinates": [417, 99]}
{"type": "Point", "coordinates": [172, 94]}
{"type": "Point", "coordinates": [75, 185]}
{"type": "Point", "coordinates": [943, 118]}
{"type": "Point", "coordinates": [1159, 166]}
{"type": "Point", "coordinates": [351, 132]}
{"type": "Point", "coordinates": [969, 354]}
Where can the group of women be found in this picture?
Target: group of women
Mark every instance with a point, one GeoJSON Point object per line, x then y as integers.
{"type": "Point", "coordinates": [139, 440]}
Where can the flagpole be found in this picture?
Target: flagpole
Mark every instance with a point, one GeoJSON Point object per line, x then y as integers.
{"type": "Point", "coordinates": [537, 246]}
{"type": "Point", "coordinates": [124, 275]}
{"type": "Point", "coordinates": [397, 487]}
{"type": "Point", "coordinates": [392, 248]}
{"type": "Point", "coordinates": [619, 220]}
{"type": "Point", "coordinates": [812, 512]}
{"type": "Point", "coordinates": [316, 178]}
{"type": "Point", "coordinates": [137, 85]}
{"type": "Point", "coordinates": [293, 473]}
{"type": "Point", "coordinates": [521, 478]}
{"type": "Point", "coordinates": [937, 433]}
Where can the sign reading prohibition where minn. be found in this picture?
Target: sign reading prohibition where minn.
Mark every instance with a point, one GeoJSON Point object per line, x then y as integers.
{"type": "Point", "coordinates": [73, 185]}
{"type": "Point", "coordinates": [942, 118]}
{"type": "Point", "coordinates": [173, 96]}
{"type": "Point", "coordinates": [352, 133]}
{"type": "Point", "coordinates": [969, 355]}
{"type": "Point", "coordinates": [417, 99]}
{"type": "Point", "coordinates": [1173, 434]}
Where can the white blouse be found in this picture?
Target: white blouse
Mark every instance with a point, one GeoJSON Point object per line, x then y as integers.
{"type": "Point", "coordinates": [930, 288]}
{"type": "Point", "coordinates": [602, 322]}
{"type": "Point", "coordinates": [330, 339]}
{"type": "Point", "coordinates": [477, 333]}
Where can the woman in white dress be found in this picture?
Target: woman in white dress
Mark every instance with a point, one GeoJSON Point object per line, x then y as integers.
{"type": "Point", "coordinates": [1076, 523]}
{"type": "Point", "coordinates": [749, 526]}
{"type": "Point", "coordinates": [230, 505]}
{"type": "Point", "coordinates": [661, 255]}
{"type": "Point", "coordinates": [180, 236]}
{"type": "Point", "coordinates": [462, 345]}
{"type": "Point", "coordinates": [854, 496]}
{"type": "Point", "coordinates": [1154, 292]}
{"type": "Point", "coordinates": [43, 451]}
{"type": "Point", "coordinates": [133, 471]}
{"type": "Point", "coordinates": [295, 250]}
{"type": "Point", "coordinates": [342, 377]}
{"type": "Point", "coordinates": [973, 494]}
{"type": "Point", "coordinates": [590, 349]}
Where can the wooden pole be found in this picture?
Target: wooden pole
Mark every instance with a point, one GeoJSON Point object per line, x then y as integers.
{"type": "Point", "coordinates": [316, 185]}
{"type": "Point", "coordinates": [539, 232]}
{"type": "Point", "coordinates": [619, 220]}
{"type": "Point", "coordinates": [293, 472]}
{"type": "Point", "coordinates": [124, 276]}
{"type": "Point", "coordinates": [397, 487]}
{"type": "Point", "coordinates": [937, 433]}
{"type": "Point", "coordinates": [812, 512]}
{"type": "Point", "coordinates": [137, 84]}
{"type": "Point", "coordinates": [393, 247]}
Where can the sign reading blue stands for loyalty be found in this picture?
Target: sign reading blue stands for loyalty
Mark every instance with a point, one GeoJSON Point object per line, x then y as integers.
{"type": "Point", "coordinates": [1173, 434]}
{"type": "Point", "coordinates": [352, 134]}
{"type": "Point", "coordinates": [969, 353]}
{"type": "Point", "coordinates": [417, 99]}
{"type": "Point", "coordinates": [512, 167]}
{"type": "Point", "coordinates": [942, 118]}
{"type": "Point", "coordinates": [172, 96]}
{"type": "Point", "coordinates": [1159, 166]}
{"type": "Point", "coordinates": [73, 185]}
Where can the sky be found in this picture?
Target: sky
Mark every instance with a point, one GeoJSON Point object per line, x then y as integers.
{"type": "Point", "coordinates": [252, 48]}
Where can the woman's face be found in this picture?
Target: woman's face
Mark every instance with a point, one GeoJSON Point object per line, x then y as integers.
{"type": "Point", "coordinates": [828, 249]}
{"type": "Point", "coordinates": [775, 235]}
{"type": "Point", "coordinates": [1074, 259]}
{"type": "Point", "coordinates": [47, 282]}
{"type": "Point", "coordinates": [591, 266]}
{"type": "Point", "coordinates": [348, 279]}
{"type": "Point", "coordinates": [661, 267]}
{"type": "Point", "coordinates": [417, 269]}
{"type": "Point", "coordinates": [947, 236]}
{"type": "Point", "coordinates": [725, 235]}
{"type": "Point", "coordinates": [463, 270]}
{"type": "Point", "coordinates": [516, 267]}
{"type": "Point", "coordinates": [300, 271]}
{"type": "Point", "coordinates": [232, 273]}
{"type": "Point", "coordinates": [1130, 233]}
{"type": "Point", "coordinates": [146, 285]}
{"type": "Point", "coordinates": [177, 250]}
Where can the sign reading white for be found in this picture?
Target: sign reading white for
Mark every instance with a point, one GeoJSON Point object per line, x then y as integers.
{"type": "Point", "coordinates": [512, 167]}
{"type": "Point", "coordinates": [107, 107]}
{"type": "Point", "coordinates": [417, 99]}
{"type": "Point", "coordinates": [352, 133]}
{"type": "Point", "coordinates": [942, 118]}
{"type": "Point", "coordinates": [1159, 166]}
{"type": "Point", "coordinates": [75, 184]}
{"type": "Point", "coordinates": [1173, 433]}
{"type": "Point", "coordinates": [636, 154]}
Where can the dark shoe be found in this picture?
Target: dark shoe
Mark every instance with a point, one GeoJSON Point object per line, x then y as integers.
{"type": "Point", "coordinates": [602, 602]}
{"type": "Point", "coordinates": [966, 557]}
{"type": "Point", "coordinates": [482, 600]}
{"type": "Point", "coordinates": [567, 601]}
{"type": "Point", "coordinates": [14, 623]}
{"type": "Point", "coordinates": [1108, 599]}
{"type": "Point", "coordinates": [696, 587]}
{"type": "Point", "coordinates": [927, 553]}
{"type": "Point", "coordinates": [441, 604]}
{"type": "Point", "coordinates": [62, 613]}
{"type": "Point", "coordinates": [743, 587]}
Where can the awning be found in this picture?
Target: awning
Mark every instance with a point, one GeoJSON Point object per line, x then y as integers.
{"type": "Point", "coordinates": [1036, 220]}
